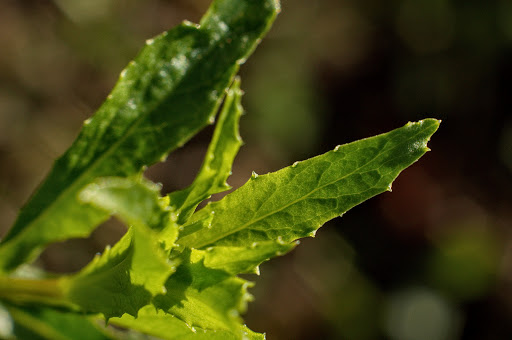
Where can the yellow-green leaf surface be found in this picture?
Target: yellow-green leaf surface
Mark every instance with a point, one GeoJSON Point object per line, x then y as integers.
{"type": "Point", "coordinates": [204, 297]}
{"type": "Point", "coordinates": [295, 201]}
{"type": "Point", "coordinates": [241, 260]}
{"type": "Point", "coordinates": [170, 91]}
{"type": "Point", "coordinates": [127, 276]}
{"type": "Point", "coordinates": [165, 326]}
{"type": "Point", "coordinates": [219, 158]}
{"type": "Point", "coordinates": [198, 299]}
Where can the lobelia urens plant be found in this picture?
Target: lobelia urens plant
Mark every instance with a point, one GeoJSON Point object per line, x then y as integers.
{"type": "Point", "coordinates": [174, 274]}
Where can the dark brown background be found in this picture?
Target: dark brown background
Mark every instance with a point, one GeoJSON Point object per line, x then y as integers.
{"type": "Point", "coordinates": [431, 260]}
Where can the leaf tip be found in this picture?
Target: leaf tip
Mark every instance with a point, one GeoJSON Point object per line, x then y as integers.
{"type": "Point", "coordinates": [432, 123]}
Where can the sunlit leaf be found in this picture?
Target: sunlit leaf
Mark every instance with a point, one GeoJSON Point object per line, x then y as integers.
{"type": "Point", "coordinates": [127, 276]}
{"type": "Point", "coordinates": [167, 94]}
{"type": "Point", "coordinates": [295, 201]}
{"type": "Point", "coordinates": [219, 157]}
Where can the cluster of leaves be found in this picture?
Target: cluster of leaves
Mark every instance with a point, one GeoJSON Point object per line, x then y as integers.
{"type": "Point", "coordinates": [174, 274]}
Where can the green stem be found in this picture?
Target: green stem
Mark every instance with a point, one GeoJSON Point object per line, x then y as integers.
{"type": "Point", "coordinates": [26, 291]}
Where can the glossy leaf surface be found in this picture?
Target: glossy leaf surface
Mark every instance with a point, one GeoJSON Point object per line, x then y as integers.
{"type": "Point", "coordinates": [170, 91]}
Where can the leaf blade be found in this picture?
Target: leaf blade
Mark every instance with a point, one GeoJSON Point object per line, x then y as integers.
{"type": "Point", "coordinates": [127, 276]}
{"type": "Point", "coordinates": [198, 299]}
{"type": "Point", "coordinates": [216, 167]}
{"type": "Point", "coordinates": [166, 326]}
{"type": "Point", "coordinates": [295, 201]}
{"type": "Point", "coordinates": [192, 70]}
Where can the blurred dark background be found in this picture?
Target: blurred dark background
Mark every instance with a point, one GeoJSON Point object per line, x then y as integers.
{"type": "Point", "coordinates": [430, 261]}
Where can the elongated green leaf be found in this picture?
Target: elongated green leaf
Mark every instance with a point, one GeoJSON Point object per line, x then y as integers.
{"type": "Point", "coordinates": [126, 277]}
{"type": "Point", "coordinates": [170, 91]}
{"type": "Point", "coordinates": [295, 201]}
{"type": "Point", "coordinates": [216, 167]}
{"type": "Point", "coordinates": [37, 323]}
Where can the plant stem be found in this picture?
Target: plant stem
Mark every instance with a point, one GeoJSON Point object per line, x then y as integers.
{"type": "Point", "coordinates": [28, 291]}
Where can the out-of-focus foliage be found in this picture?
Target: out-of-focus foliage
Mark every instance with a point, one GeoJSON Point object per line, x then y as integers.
{"type": "Point", "coordinates": [342, 70]}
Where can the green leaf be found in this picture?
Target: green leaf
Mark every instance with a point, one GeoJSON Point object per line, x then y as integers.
{"type": "Point", "coordinates": [168, 327]}
{"type": "Point", "coordinates": [204, 294]}
{"type": "Point", "coordinates": [170, 91]}
{"type": "Point", "coordinates": [45, 323]}
{"type": "Point", "coordinates": [197, 298]}
{"type": "Point", "coordinates": [219, 158]}
{"type": "Point", "coordinates": [126, 277]}
{"type": "Point", "coordinates": [204, 297]}
{"type": "Point", "coordinates": [295, 201]}
{"type": "Point", "coordinates": [136, 201]}
{"type": "Point", "coordinates": [240, 260]}
{"type": "Point", "coordinates": [259, 221]}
